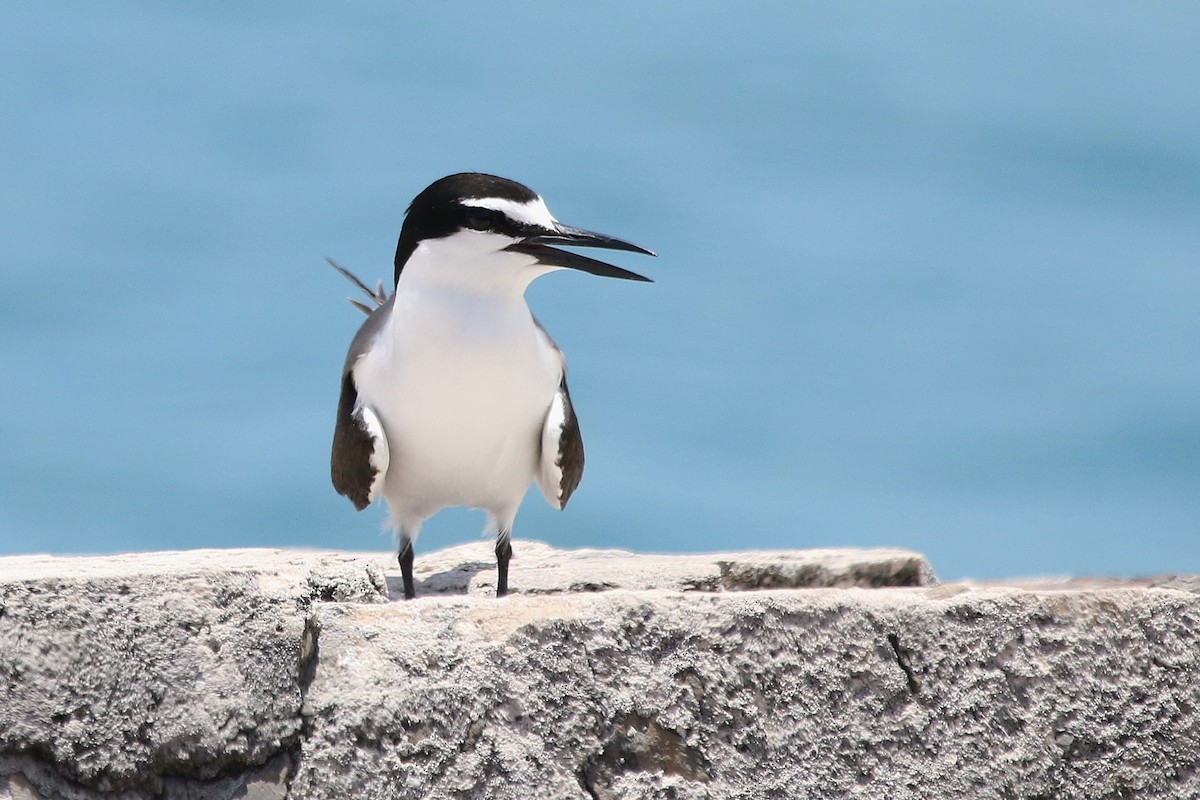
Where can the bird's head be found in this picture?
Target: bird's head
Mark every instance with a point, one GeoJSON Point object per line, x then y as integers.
{"type": "Point", "coordinates": [476, 227]}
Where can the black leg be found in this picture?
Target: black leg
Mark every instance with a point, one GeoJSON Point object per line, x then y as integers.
{"type": "Point", "coordinates": [503, 555]}
{"type": "Point", "coordinates": [406, 564]}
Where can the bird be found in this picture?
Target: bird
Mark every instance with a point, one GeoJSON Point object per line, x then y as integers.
{"type": "Point", "coordinates": [452, 393]}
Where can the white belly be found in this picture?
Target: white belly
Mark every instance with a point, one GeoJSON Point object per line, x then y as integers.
{"type": "Point", "coordinates": [462, 389]}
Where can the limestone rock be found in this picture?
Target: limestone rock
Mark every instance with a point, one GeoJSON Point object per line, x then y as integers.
{"type": "Point", "coordinates": [538, 568]}
{"type": "Point", "coordinates": [815, 693]}
{"type": "Point", "coordinates": [270, 674]}
{"type": "Point", "coordinates": [122, 671]}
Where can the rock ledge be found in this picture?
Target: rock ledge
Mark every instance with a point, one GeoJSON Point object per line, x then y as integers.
{"type": "Point", "coordinates": [839, 673]}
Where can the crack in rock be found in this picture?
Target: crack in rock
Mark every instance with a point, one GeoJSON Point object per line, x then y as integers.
{"type": "Point", "coordinates": [904, 660]}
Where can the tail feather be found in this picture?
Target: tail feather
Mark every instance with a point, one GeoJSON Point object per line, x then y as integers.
{"type": "Point", "coordinates": [378, 296]}
{"type": "Point", "coordinates": [361, 306]}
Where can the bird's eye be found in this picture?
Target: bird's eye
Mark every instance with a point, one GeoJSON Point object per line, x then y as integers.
{"type": "Point", "coordinates": [480, 219]}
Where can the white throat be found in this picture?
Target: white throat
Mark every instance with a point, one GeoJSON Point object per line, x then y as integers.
{"type": "Point", "coordinates": [472, 263]}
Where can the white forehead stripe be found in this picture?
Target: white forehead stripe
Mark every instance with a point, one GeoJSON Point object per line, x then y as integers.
{"type": "Point", "coordinates": [533, 212]}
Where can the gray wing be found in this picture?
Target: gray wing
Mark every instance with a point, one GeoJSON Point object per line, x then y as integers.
{"type": "Point", "coordinates": [360, 455]}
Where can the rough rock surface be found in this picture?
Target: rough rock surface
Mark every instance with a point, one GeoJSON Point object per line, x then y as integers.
{"type": "Point", "coordinates": [271, 674]}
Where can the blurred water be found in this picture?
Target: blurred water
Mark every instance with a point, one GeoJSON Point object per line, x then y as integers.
{"type": "Point", "coordinates": [928, 274]}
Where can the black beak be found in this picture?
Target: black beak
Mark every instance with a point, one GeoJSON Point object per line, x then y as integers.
{"type": "Point", "coordinates": [537, 246]}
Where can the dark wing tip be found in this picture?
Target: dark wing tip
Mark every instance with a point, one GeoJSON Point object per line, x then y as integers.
{"type": "Point", "coordinates": [350, 462]}
{"type": "Point", "coordinates": [570, 449]}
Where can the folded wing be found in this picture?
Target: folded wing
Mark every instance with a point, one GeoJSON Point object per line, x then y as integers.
{"type": "Point", "coordinates": [360, 457]}
{"type": "Point", "coordinates": [561, 466]}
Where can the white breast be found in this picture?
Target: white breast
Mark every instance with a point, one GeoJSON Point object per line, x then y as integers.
{"type": "Point", "coordinates": [461, 383]}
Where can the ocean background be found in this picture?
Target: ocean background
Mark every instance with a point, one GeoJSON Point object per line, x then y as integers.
{"type": "Point", "coordinates": [928, 273]}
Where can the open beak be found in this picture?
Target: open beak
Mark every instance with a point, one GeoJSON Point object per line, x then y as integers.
{"type": "Point", "coordinates": [537, 246]}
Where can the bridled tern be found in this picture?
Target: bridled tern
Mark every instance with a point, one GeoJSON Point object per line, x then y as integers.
{"type": "Point", "coordinates": [452, 393]}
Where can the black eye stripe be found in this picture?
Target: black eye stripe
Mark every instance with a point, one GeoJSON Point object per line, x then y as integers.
{"type": "Point", "coordinates": [481, 219]}
{"type": "Point", "coordinates": [478, 218]}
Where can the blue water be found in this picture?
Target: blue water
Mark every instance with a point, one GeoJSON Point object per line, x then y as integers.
{"type": "Point", "coordinates": [929, 274]}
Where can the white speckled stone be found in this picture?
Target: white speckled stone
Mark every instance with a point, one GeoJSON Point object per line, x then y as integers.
{"type": "Point", "coordinates": [269, 674]}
